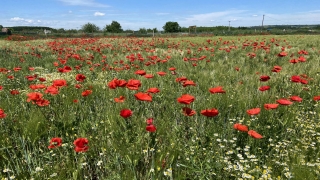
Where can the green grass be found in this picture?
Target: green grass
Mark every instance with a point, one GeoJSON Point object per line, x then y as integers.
{"type": "Point", "coordinates": [182, 147]}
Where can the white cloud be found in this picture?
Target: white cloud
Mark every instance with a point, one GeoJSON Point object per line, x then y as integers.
{"type": "Point", "coordinates": [255, 15]}
{"type": "Point", "coordinates": [90, 3]}
{"type": "Point", "coordinates": [99, 14]}
{"type": "Point", "coordinates": [16, 19]}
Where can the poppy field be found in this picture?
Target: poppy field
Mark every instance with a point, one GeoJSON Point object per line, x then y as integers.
{"type": "Point", "coordinates": [241, 107]}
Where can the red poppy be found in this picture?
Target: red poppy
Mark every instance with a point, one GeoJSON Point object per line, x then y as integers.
{"type": "Point", "coordinates": [34, 96]}
{"type": "Point", "coordinates": [80, 77]}
{"type": "Point", "coordinates": [264, 88]}
{"type": "Point", "coordinates": [143, 96]}
{"type": "Point", "coordinates": [218, 89]}
{"type": "Point", "coordinates": [42, 102]}
{"type": "Point", "coordinates": [181, 79]}
{"type": "Point", "coordinates": [185, 99]}
{"type": "Point", "coordinates": [113, 84]}
{"type": "Point", "coordinates": [148, 76]}
{"type": "Point", "coordinates": [14, 92]}
{"type": "Point", "coordinates": [237, 68]}
{"type": "Point", "coordinates": [86, 93]}
{"type": "Point", "coordinates": [172, 69]}
{"type": "Point", "coordinates": [1, 87]}
{"type": "Point", "coordinates": [270, 106]}
{"type": "Point", "coordinates": [282, 54]}
{"type": "Point", "coordinates": [75, 100]}
{"type": "Point", "coordinates": [78, 86]}
{"type": "Point", "coordinates": [254, 111]}
{"type": "Point", "coordinates": [59, 83]}
{"type": "Point", "coordinates": [121, 83]}
{"type": "Point", "coordinates": [316, 98]}
{"type": "Point", "coordinates": [254, 134]}
{"type": "Point", "coordinates": [302, 59]}
{"type": "Point", "coordinates": [125, 113]}
{"type": "Point", "coordinates": [161, 73]}
{"type": "Point", "coordinates": [65, 69]}
{"type": "Point", "coordinates": [264, 78]}
{"type": "Point", "coordinates": [31, 68]}
{"type": "Point", "coordinates": [149, 121]}
{"type": "Point", "coordinates": [133, 84]}
{"type": "Point", "coordinates": [151, 128]}
{"type": "Point", "coordinates": [188, 83]}
{"type": "Point", "coordinates": [153, 90]}
{"type": "Point", "coordinates": [284, 102]}
{"type": "Point", "coordinates": [53, 90]}
{"type": "Point", "coordinates": [10, 77]}
{"type": "Point", "coordinates": [42, 79]}
{"type": "Point", "coordinates": [30, 78]}
{"type": "Point", "coordinates": [293, 61]}
{"type": "Point", "coordinates": [81, 145]}
{"type": "Point", "coordinates": [296, 98]}
{"type": "Point", "coordinates": [37, 86]}
{"type": "Point", "coordinates": [303, 81]}
{"type": "Point", "coordinates": [295, 79]}
{"type": "Point", "coordinates": [188, 111]}
{"type": "Point", "coordinates": [210, 112]}
{"type": "Point", "coordinates": [2, 114]}
{"type": "Point", "coordinates": [140, 72]}
{"type": "Point", "coordinates": [120, 99]}
{"type": "Point", "coordinates": [240, 127]}
{"type": "Point", "coordinates": [17, 69]}
{"type": "Point", "coordinates": [276, 69]}
{"type": "Point", "coordinates": [55, 142]}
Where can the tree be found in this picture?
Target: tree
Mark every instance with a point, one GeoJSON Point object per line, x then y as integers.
{"type": "Point", "coordinates": [143, 31]}
{"type": "Point", "coordinates": [155, 30]}
{"type": "Point", "coordinates": [1, 26]}
{"type": "Point", "coordinates": [114, 27]}
{"type": "Point", "coordinates": [90, 28]}
{"type": "Point", "coordinates": [171, 27]}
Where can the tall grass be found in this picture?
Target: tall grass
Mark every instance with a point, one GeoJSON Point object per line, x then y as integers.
{"type": "Point", "coordinates": [183, 147]}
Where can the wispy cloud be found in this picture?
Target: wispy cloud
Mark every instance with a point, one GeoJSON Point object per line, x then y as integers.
{"type": "Point", "coordinates": [162, 14]}
{"type": "Point", "coordinates": [99, 14]}
{"type": "Point", "coordinates": [22, 20]}
{"type": "Point", "coordinates": [205, 19]}
{"type": "Point", "coordinates": [90, 3]}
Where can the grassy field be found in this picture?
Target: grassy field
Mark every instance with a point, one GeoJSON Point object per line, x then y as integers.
{"type": "Point", "coordinates": [233, 107]}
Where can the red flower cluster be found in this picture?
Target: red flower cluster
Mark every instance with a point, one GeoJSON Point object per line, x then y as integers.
{"type": "Point", "coordinates": [2, 114]}
{"type": "Point", "coordinates": [150, 126]}
{"type": "Point", "coordinates": [245, 128]}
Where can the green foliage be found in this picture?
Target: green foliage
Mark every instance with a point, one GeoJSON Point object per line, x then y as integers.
{"type": "Point", "coordinates": [183, 147]}
{"type": "Point", "coordinates": [114, 27]}
{"type": "Point", "coordinates": [143, 30]}
{"type": "Point", "coordinates": [90, 28]}
{"type": "Point", "coordinates": [171, 27]}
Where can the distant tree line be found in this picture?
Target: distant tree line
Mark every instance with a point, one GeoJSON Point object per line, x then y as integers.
{"type": "Point", "coordinates": [169, 27]}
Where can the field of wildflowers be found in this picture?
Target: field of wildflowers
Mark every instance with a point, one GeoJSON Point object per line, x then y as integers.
{"type": "Point", "coordinates": [160, 108]}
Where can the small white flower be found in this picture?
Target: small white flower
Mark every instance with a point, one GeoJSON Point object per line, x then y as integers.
{"type": "Point", "coordinates": [99, 163]}
{"type": "Point", "coordinates": [6, 170]}
{"type": "Point", "coordinates": [38, 169]}
{"type": "Point", "coordinates": [53, 175]}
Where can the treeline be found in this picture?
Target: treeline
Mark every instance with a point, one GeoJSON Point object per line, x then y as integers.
{"type": "Point", "coordinates": [29, 28]}
{"type": "Point", "coordinates": [211, 29]}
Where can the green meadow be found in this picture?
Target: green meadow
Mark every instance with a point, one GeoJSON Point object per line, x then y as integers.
{"type": "Point", "coordinates": [231, 107]}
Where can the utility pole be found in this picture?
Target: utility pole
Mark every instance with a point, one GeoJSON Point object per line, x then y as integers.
{"type": "Point", "coordinates": [262, 22]}
{"type": "Point", "coordinates": [229, 25]}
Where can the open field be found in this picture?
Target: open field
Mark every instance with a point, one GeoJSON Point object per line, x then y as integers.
{"type": "Point", "coordinates": [160, 108]}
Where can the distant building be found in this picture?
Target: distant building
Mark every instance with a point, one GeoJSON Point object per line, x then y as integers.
{"type": "Point", "coordinates": [4, 30]}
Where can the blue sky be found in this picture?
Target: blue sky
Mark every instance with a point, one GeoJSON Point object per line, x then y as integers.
{"type": "Point", "coordinates": [135, 14]}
